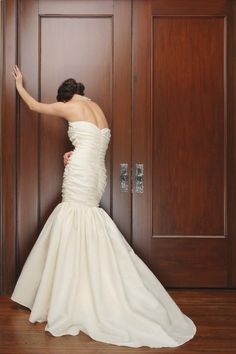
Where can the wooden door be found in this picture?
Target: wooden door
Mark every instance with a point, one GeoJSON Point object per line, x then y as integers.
{"type": "Point", "coordinates": [87, 40]}
{"type": "Point", "coordinates": [167, 87]}
{"type": "Point", "coordinates": [184, 133]}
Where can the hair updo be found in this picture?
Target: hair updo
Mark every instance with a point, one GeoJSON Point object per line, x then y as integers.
{"type": "Point", "coordinates": [68, 88]}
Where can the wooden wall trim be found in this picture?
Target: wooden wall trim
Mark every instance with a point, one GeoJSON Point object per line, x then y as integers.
{"type": "Point", "coordinates": [141, 126]}
{"type": "Point", "coordinates": [231, 107]}
{"type": "Point", "coordinates": [8, 141]}
{"type": "Point", "coordinates": [1, 69]}
{"type": "Point", "coordinates": [121, 149]}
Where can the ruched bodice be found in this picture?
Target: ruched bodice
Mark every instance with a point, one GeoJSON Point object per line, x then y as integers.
{"type": "Point", "coordinates": [84, 178]}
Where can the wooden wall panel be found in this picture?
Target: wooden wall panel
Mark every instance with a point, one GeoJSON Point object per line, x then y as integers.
{"type": "Point", "coordinates": [122, 115]}
{"type": "Point", "coordinates": [141, 127]}
{"type": "Point", "coordinates": [1, 150]}
{"type": "Point", "coordinates": [27, 135]}
{"type": "Point", "coordinates": [67, 52]}
{"type": "Point", "coordinates": [183, 91]}
{"type": "Point", "coordinates": [190, 134]}
{"type": "Point", "coordinates": [231, 93]}
{"type": "Point", "coordinates": [9, 148]}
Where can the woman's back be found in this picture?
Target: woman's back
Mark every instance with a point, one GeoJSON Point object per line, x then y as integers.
{"type": "Point", "coordinates": [83, 108]}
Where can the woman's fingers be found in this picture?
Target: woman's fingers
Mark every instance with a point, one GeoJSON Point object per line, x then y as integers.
{"type": "Point", "coordinates": [68, 153]}
{"type": "Point", "coordinates": [66, 157]}
{"type": "Point", "coordinates": [16, 68]}
{"type": "Point", "coordinates": [16, 72]}
{"type": "Point", "coordinates": [17, 75]}
{"type": "Point", "coordinates": [65, 161]}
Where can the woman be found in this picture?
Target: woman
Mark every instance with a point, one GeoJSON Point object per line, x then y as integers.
{"type": "Point", "coordinates": [82, 274]}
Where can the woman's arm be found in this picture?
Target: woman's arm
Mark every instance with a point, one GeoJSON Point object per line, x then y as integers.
{"type": "Point", "coordinates": [56, 109]}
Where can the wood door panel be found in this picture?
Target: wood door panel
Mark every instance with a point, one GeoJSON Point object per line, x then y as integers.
{"type": "Point", "coordinates": [182, 60]}
{"type": "Point", "coordinates": [27, 139]}
{"type": "Point", "coordinates": [189, 126]}
{"type": "Point", "coordinates": [8, 152]}
{"type": "Point", "coordinates": [88, 40]}
{"type": "Point", "coordinates": [67, 52]}
{"type": "Point", "coordinates": [78, 7]}
{"type": "Point", "coordinates": [191, 262]}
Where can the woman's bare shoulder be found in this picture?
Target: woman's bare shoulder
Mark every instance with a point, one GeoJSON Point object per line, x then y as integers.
{"type": "Point", "coordinates": [89, 109]}
{"type": "Point", "coordinates": [101, 118]}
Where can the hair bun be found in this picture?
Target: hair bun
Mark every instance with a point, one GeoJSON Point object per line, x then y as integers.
{"type": "Point", "coordinates": [68, 88]}
{"type": "Point", "coordinates": [80, 88]}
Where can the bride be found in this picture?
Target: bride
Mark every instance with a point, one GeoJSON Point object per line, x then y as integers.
{"type": "Point", "coordinates": [82, 274]}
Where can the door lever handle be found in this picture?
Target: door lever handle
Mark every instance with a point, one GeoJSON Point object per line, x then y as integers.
{"type": "Point", "coordinates": [124, 177]}
{"type": "Point", "coordinates": [139, 178]}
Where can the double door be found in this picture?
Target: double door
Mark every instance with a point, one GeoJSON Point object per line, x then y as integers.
{"type": "Point", "coordinates": [163, 72]}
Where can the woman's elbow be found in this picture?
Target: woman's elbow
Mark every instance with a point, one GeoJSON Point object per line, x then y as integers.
{"type": "Point", "coordinates": [33, 106]}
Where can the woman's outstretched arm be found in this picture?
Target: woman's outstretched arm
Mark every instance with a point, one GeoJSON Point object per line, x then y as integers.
{"type": "Point", "coordinates": [56, 109]}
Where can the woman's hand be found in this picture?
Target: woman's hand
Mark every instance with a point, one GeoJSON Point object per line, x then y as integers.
{"type": "Point", "coordinates": [66, 157]}
{"type": "Point", "coordinates": [17, 76]}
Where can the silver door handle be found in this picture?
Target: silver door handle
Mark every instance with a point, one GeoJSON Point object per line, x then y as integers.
{"type": "Point", "coordinates": [124, 177]}
{"type": "Point", "coordinates": [139, 178]}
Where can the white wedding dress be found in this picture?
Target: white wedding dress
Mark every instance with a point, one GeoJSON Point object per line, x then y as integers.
{"type": "Point", "coordinates": [82, 274]}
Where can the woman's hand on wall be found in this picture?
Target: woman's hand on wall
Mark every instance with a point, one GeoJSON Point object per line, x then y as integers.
{"type": "Point", "coordinates": [17, 76]}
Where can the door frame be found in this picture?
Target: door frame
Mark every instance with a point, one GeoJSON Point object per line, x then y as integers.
{"type": "Point", "coordinates": [8, 146]}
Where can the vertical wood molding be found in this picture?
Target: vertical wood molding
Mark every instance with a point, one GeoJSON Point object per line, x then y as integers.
{"type": "Point", "coordinates": [8, 141]}
{"type": "Point", "coordinates": [121, 122]}
{"type": "Point", "coordinates": [1, 214]}
{"type": "Point", "coordinates": [231, 108]}
{"type": "Point", "coordinates": [28, 123]}
{"type": "Point", "coordinates": [141, 126]}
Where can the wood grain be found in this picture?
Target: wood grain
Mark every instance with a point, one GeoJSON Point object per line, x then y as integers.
{"type": "Point", "coordinates": [214, 313]}
{"type": "Point", "coordinates": [183, 133]}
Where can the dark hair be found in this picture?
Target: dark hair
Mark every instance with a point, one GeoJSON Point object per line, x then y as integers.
{"type": "Point", "coordinates": [68, 88]}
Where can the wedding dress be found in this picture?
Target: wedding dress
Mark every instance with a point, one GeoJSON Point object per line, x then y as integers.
{"type": "Point", "coordinates": [82, 274]}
